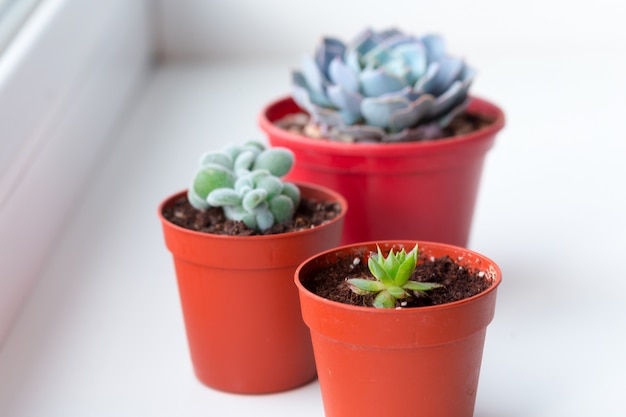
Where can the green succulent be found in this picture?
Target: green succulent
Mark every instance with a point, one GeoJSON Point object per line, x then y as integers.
{"type": "Point", "coordinates": [246, 182]}
{"type": "Point", "coordinates": [391, 275]}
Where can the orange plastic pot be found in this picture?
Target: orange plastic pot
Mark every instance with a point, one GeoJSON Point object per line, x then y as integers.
{"type": "Point", "coordinates": [240, 307]}
{"type": "Point", "coordinates": [422, 190]}
{"type": "Point", "coordinates": [415, 362]}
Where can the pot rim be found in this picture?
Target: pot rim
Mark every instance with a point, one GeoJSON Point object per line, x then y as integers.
{"type": "Point", "coordinates": [477, 106]}
{"type": "Point", "coordinates": [494, 272]}
{"type": "Point", "coordinates": [335, 196]}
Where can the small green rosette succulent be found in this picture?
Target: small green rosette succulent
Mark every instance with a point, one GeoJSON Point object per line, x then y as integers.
{"type": "Point", "coordinates": [382, 86]}
{"type": "Point", "coordinates": [391, 275]}
{"type": "Point", "coordinates": [246, 182]}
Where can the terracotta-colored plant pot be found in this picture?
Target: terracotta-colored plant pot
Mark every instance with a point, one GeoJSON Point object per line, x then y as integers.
{"type": "Point", "coordinates": [240, 307]}
{"type": "Point", "coordinates": [413, 190]}
{"type": "Point", "coordinates": [414, 362]}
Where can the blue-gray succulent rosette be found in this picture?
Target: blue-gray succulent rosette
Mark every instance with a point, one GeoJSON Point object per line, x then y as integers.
{"type": "Point", "coordinates": [383, 86]}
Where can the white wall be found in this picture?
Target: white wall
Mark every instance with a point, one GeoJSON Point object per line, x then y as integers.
{"type": "Point", "coordinates": [65, 83]}
{"type": "Point", "coordinates": [217, 28]}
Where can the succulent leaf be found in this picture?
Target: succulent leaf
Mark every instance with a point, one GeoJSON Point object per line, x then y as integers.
{"type": "Point", "coordinates": [223, 197]}
{"type": "Point", "coordinates": [273, 185]}
{"type": "Point", "coordinates": [196, 201]}
{"type": "Point", "coordinates": [218, 157]}
{"type": "Point", "coordinates": [244, 161]}
{"type": "Point", "coordinates": [277, 161]}
{"type": "Point", "coordinates": [210, 177]}
{"type": "Point", "coordinates": [253, 198]}
{"type": "Point", "coordinates": [421, 286]}
{"type": "Point", "coordinates": [282, 208]}
{"type": "Point", "coordinates": [292, 191]}
{"type": "Point", "coordinates": [384, 300]}
{"type": "Point", "coordinates": [365, 285]}
{"type": "Point", "coordinates": [264, 219]}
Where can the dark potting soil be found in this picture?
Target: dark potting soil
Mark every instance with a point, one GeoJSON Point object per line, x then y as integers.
{"type": "Point", "coordinates": [310, 213]}
{"type": "Point", "coordinates": [458, 282]}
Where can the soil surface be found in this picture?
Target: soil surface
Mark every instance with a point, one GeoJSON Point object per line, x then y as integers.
{"type": "Point", "coordinates": [462, 124]}
{"type": "Point", "coordinates": [459, 282]}
{"type": "Point", "coordinates": [309, 214]}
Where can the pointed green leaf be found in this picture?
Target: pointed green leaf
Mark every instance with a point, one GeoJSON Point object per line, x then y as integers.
{"type": "Point", "coordinates": [397, 292]}
{"type": "Point", "coordinates": [363, 286]}
{"type": "Point", "coordinates": [378, 271]}
{"type": "Point", "coordinates": [384, 300]}
{"type": "Point", "coordinates": [421, 286]}
{"type": "Point", "coordinates": [391, 264]}
{"type": "Point", "coordinates": [405, 270]}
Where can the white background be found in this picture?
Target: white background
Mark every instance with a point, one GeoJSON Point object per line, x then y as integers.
{"type": "Point", "coordinates": [102, 332]}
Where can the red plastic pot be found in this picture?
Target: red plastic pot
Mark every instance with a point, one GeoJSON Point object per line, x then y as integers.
{"type": "Point", "coordinates": [240, 307]}
{"type": "Point", "coordinates": [414, 362]}
{"type": "Point", "coordinates": [419, 190]}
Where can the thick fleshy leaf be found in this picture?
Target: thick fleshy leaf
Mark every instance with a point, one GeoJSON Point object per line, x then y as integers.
{"type": "Point", "coordinates": [253, 198]}
{"type": "Point", "coordinates": [300, 92]}
{"type": "Point", "coordinates": [405, 270]}
{"type": "Point", "coordinates": [196, 201]}
{"type": "Point", "coordinates": [216, 157]}
{"type": "Point", "coordinates": [244, 161]}
{"type": "Point", "coordinates": [282, 208]}
{"type": "Point", "coordinates": [315, 82]}
{"type": "Point", "coordinates": [391, 264]}
{"type": "Point", "coordinates": [278, 161]}
{"type": "Point", "coordinates": [411, 115]}
{"type": "Point", "coordinates": [378, 111]}
{"type": "Point", "coordinates": [421, 286]}
{"type": "Point", "coordinates": [375, 264]}
{"type": "Point", "coordinates": [329, 49]}
{"type": "Point", "coordinates": [363, 42]}
{"type": "Point", "coordinates": [427, 78]}
{"type": "Point", "coordinates": [344, 76]}
{"type": "Point", "coordinates": [452, 97]}
{"type": "Point", "coordinates": [264, 219]}
{"type": "Point", "coordinates": [450, 69]}
{"type": "Point", "coordinates": [414, 55]}
{"type": "Point", "coordinates": [384, 300]}
{"type": "Point", "coordinates": [210, 177]}
{"type": "Point", "coordinates": [397, 292]}
{"type": "Point", "coordinates": [353, 62]}
{"type": "Point", "coordinates": [435, 47]}
{"type": "Point", "coordinates": [376, 82]}
{"type": "Point", "coordinates": [292, 191]}
{"type": "Point", "coordinates": [273, 185]}
{"type": "Point", "coordinates": [348, 102]}
{"type": "Point", "coordinates": [223, 197]}
{"type": "Point", "coordinates": [363, 286]}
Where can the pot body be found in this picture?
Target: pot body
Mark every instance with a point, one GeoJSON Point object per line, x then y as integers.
{"type": "Point", "coordinates": [240, 307]}
{"type": "Point", "coordinates": [416, 362]}
{"type": "Point", "coordinates": [422, 190]}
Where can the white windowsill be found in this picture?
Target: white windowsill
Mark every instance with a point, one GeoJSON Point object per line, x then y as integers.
{"type": "Point", "coordinates": [102, 334]}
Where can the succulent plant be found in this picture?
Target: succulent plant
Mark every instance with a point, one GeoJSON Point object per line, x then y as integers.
{"type": "Point", "coordinates": [382, 86]}
{"type": "Point", "coordinates": [391, 275]}
{"type": "Point", "coordinates": [245, 181]}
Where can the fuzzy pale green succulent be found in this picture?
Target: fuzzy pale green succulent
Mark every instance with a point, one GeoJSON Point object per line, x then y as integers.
{"type": "Point", "coordinates": [391, 275]}
{"type": "Point", "coordinates": [246, 182]}
{"type": "Point", "coordinates": [382, 86]}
